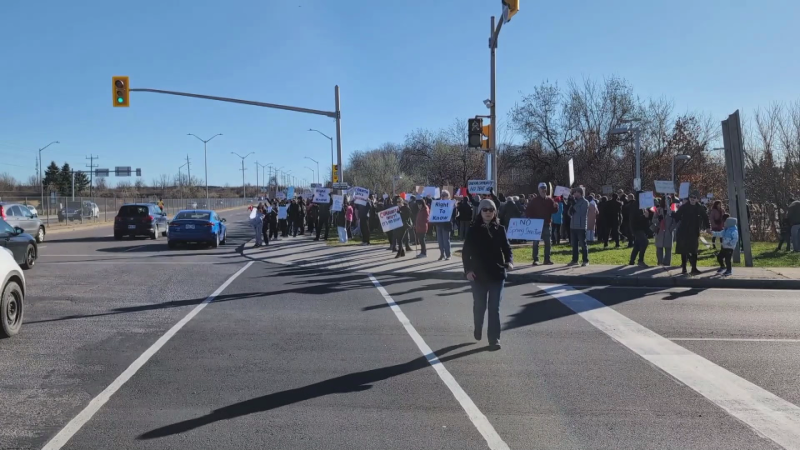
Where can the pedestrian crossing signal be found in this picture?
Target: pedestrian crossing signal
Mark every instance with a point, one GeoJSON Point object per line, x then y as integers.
{"type": "Point", "coordinates": [120, 92]}
{"type": "Point", "coordinates": [474, 132]}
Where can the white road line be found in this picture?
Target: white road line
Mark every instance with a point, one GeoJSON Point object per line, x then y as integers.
{"type": "Point", "coordinates": [91, 409]}
{"type": "Point", "coordinates": [680, 289]}
{"type": "Point", "coordinates": [770, 415]}
{"type": "Point", "coordinates": [735, 339]}
{"type": "Point", "coordinates": [115, 261]}
{"type": "Point", "coordinates": [480, 421]}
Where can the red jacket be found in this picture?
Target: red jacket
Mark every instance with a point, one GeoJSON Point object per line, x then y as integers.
{"type": "Point", "coordinates": [421, 225]}
{"type": "Point", "coordinates": [541, 208]}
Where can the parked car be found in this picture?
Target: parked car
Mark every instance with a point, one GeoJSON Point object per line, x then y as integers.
{"type": "Point", "coordinates": [12, 295]}
{"type": "Point", "coordinates": [18, 215]}
{"type": "Point", "coordinates": [78, 211]}
{"type": "Point", "coordinates": [197, 226]}
{"type": "Point", "coordinates": [140, 219]}
{"type": "Point", "coordinates": [32, 209]}
{"type": "Point", "coordinates": [22, 245]}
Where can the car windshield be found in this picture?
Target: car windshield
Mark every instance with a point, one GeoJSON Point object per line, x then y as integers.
{"type": "Point", "coordinates": [133, 211]}
{"type": "Point", "coordinates": [193, 215]}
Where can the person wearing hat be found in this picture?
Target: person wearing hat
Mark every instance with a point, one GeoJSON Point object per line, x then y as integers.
{"type": "Point", "coordinates": [487, 256]}
{"type": "Point", "coordinates": [542, 207]}
{"type": "Point", "coordinates": [690, 217]}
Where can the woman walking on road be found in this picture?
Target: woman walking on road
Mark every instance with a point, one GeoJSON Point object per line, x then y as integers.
{"type": "Point", "coordinates": [443, 230]}
{"type": "Point", "coordinates": [421, 225]}
{"type": "Point", "coordinates": [400, 235]}
{"type": "Point", "coordinates": [487, 256]}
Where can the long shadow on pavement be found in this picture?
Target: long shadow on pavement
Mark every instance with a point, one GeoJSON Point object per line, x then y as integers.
{"type": "Point", "coordinates": [350, 383]}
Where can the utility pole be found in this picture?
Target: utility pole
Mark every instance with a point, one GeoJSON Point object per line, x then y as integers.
{"type": "Point", "coordinates": [244, 189]}
{"type": "Point", "coordinates": [188, 171]}
{"type": "Point", "coordinates": [258, 190]}
{"type": "Point", "coordinates": [91, 167]}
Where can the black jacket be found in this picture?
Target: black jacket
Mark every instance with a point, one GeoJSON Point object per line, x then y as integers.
{"type": "Point", "coordinates": [486, 251]}
{"type": "Point", "coordinates": [465, 211]}
{"type": "Point", "coordinates": [691, 219]}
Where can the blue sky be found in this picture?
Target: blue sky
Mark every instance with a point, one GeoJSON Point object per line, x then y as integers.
{"type": "Point", "coordinates": [401, 65]}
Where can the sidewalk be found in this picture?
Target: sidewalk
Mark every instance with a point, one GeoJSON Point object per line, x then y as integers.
{"type": "Point", "coordinates": [377, 259]}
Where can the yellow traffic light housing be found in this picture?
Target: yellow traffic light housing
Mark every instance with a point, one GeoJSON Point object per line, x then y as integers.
{"type": "Point", "coordinates": [486, 130]}
{"type": "Point", "coordinates": [120, 91]}
{"type": "Point", "coordinates": [513, 8]}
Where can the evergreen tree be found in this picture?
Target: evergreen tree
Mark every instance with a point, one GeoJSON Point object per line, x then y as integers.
{"type": "Point", "coordinates": [51, 176]}
{"type": "Point", "coordinates": [65, 180]}
{"type": "Point", "coordinates": [81, 183]}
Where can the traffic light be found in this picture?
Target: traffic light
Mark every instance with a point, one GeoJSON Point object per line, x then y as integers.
{"type": "Point", "coordinates": [120, 92]}
{"type": "Point", "coordinates": [513, 8]}
{"type": "Point", "coordinates": [474, 132]}
{"type": "Point", "coordinates": [486, 130]}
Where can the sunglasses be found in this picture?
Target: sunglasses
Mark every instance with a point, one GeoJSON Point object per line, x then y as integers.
{"type": "Point", "coordinates": [692, 198]}
{"type": "Point", "coordinates": [491, 210]}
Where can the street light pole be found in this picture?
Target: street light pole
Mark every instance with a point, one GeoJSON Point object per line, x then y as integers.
{"type": "Point", "coordinates": [312, 171]}
{"type": "Point", "coordinates": [675, 158]}
{"type": "Point", "coordinates": [244, 188]}
{"type": "Point", "coordinates": [332, 160]}
{"type": "Point", "coordinates": [205, 157]}
{"type": "Point", "coordinates": [312, 159]}
{"type": "Point", "coordinates": [636, 131]}
{"type": "Point", "coordinates": [41, 181]}
{"type": "Point", "coordinates": [180, 180]}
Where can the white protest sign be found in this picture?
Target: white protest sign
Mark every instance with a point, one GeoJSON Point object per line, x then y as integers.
{"type": "Point", "coordinates": [479, 186]}
{"type": "Point", "coordinates": [338, 201]}
{"type": "Point", "coordinates": [646, 200]}
{"type": "Point", "coordinates": [525, 229]}
{"type": "Point", "coordinates": [571, 172]}
{"type": "Point", "coordinates": [430, 191]}
{"type": "Point", "coordinates": [709, 195]}
{"type": "Point", "coordinates": [561, 191]}
{"type": "Point", "coordinates": [361, 195]}
{"type": "Point", "coordinates": [385, 196]}
{"type": "Point", "coordinates": [441, 211]}
{"type": "Point", "coordinates": [322, 195]}
{"type": "Point", "coordinates": [684, 190]}
{"type": "Point", "coordinates": [607, 189]}
{"type": "Point", "coordinates": [280, 196]}
{"type": "Point", "coordinates": [390, 219]}
{"type": "Point", "coordinates": [253, 213]}
{"type": "Point", "coordinates": [282, 212]}
{"type": "Point", "coordinates": [665, 187]}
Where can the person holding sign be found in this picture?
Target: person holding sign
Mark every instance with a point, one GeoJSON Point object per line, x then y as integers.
{"type": "Point", "coordinates": [421, 225]}
{"type": "Point", "coordinates": [579, 216]}
{"type": "Point", "coordinates": [542, 207]}
{"type": "Point", "coordinates": [487, 256]}
{"type": "Point", "coordinates": [443, 229]}
{"type": "Point", "coordinates": [641, 220]}
{"type": "Point", "coordinates": [400, 235]}
{"type": "Point", "coordinates": [690, 217]}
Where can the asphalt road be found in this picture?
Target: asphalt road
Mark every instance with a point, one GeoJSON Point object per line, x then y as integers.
{"type": "Point", "coordinates": [307, 359]}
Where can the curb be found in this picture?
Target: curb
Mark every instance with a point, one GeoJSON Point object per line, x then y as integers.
{"type": "Point", "coordinates": [572, 280]}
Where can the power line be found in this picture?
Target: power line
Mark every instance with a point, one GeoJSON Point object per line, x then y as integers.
{"type": "Point", "coordinates": [91, 167]}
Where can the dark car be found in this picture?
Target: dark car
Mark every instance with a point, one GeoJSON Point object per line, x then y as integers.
{"type": "Point", "coordinates": [140, 219]}
{"type": "Point", "coordinates": [197, 226]}
{"type": "Point", "coordinates": [21, 244]}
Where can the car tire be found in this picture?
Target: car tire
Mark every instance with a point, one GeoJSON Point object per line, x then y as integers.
{"type": "Point", "coordinates": [215, 242]}
{"type": "Point", "coordinates": [11, 309]}
{"type": "Point", "coordinates": [40, 235]}
{"type": "Point", "coordinates": [165, 233]}
{"type": "Point", "coordinates": [155, 233]}
{"type": "Point", "coordinates": [30, 258]}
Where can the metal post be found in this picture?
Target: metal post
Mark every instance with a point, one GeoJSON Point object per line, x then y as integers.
{"type": "Point", "coordinates": [636, 133]}
{"type": "Point", "coordinates": [673, 171]}
{"type": "Point", "coordinates": [73, 185]}
{"type": "Point", "coordinates": [205, 158]}
{"type": "Point", "coordinates": [338, 134]}
{"type": "Point", "coordinates": [258, 191]}
{"type": "Point", "coordinates": [492, 98]}
{"type": "Point", "coordinates": [244, 188]}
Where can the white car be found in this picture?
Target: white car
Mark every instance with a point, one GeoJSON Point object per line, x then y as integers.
{"type": "Point", "coordinates": [32, 209]}
{"type": "Point", "coordinates": [12, 295]}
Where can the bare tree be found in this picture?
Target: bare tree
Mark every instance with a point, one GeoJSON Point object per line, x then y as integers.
{"type": "Point", "coordinates": [7, 182]}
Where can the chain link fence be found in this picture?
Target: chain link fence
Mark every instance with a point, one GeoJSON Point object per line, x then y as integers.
{"type": "Point", "coordinates": [60, 211]}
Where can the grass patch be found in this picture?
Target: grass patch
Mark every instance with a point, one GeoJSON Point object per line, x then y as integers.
{"type": "Point", "coordinates": [764, 255]}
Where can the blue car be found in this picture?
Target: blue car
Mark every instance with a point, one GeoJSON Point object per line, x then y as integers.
{"type": "Point", "coordinates": [200, 225]}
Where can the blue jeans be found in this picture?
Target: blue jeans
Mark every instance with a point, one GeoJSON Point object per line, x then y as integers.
{"type": "Point", "coordinates": [443, 239]}
{"type": "Point", "coordinates": [493, 292]}
{"type": "Point", "coordinates": [578, 238]}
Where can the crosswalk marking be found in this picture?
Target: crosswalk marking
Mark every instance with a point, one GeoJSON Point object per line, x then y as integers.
{"type": "Point", "coordinates": [768, 414]}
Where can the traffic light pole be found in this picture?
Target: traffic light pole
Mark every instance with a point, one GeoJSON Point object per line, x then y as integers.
{"type": "Point", "coordinates": [491, 169]}
{"type": "Point", "coordinates": [336, 114]}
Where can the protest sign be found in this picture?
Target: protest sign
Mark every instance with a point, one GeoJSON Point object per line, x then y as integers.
{"type": "Point", "coordinates": [390, 219]}
{"type": "Point", "coordinates": [360, 195]}
{"type": "Point", "coordinates": [665, 187]}
{"type": "Point", "coordinates": [441, 211]}
{"type": "Point", "coordinates": [479, 186]}
{"type": "Point", "coordinates": [338, 201]}
{"type": "Point", "coordinates": [282, 212]}
{"type": "Point", "coordinates": [646, 200]}
{"type": "Point", "coordinates": [290, 192]}
{"type": "Point", "coordinates": [430, 191]}
{"type": "Point", "coordinates": [607, 189]}
{"type": "Point", "coordinates": [561, 191]}
{"type": "Point", "coordinates": [253, 213]}
{"type": "Point", "coordinates": [525, 229]}
{"type": "Point", "coordinates": [684, 190]}
{"type": "Point", "coordinates": [322, 195]}
{"type": "Point", "coordinates": [280, 196]}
